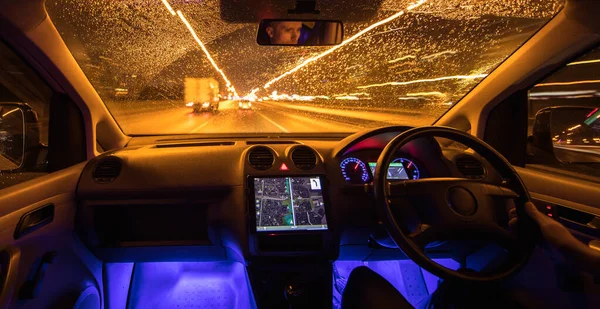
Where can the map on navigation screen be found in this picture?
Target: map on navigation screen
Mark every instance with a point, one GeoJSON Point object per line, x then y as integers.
{"type": "Point", "coordinates": [289, 203]}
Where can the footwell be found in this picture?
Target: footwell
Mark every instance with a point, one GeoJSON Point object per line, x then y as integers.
{"type": "Point", "coordinates": [211, 285]}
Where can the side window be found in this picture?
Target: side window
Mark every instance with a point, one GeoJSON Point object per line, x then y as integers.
{"type": "Point", "coordinates": [24, 120]}
{"type": "Point", "coordinates": [564, 118]}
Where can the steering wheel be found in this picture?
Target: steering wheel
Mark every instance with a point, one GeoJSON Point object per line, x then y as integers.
{"type": "Point", "coordinates": [452, 208]}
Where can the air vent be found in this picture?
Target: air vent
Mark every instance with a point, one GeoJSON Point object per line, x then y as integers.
{"type": "Point", "coordinates": [470, 167]}
{"type": "Point", "coordinates": [261, 158]}
{"type": "Point", "coordinates": [107, 170]}
{"type": "Point", "coordinates": [304, 158]}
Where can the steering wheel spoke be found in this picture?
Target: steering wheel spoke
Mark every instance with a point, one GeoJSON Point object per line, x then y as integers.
{"type": "Point", "coordinates": [500, 191]}
{"type": "Point", "coordinates": [502, 236]}
{"type": "Point", "coordinates": [424, 234]}
{"type": "Point", "coordinates": [421, 187]}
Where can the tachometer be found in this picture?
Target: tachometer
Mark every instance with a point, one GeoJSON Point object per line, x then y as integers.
{"type": "Point", "coordinates": [403, 168]}
{"type": "Point", "coordinates": [354, 170]}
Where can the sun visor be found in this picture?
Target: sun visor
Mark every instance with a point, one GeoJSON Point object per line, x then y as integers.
{"type": "Point", "coordinates": [253, 11]}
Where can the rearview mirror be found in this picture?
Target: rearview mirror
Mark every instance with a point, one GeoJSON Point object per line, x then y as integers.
{"type": "Point", "coordinates": [571, 134]}
{"type": "Point", "coordinates": [300, 32]}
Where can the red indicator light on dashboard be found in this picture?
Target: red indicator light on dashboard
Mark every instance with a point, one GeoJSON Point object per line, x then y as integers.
{"type": "Point", "coordinates": [283, 167]}
{"type": "Point", "coordinates": [549, 207]}
{"type": "Point", "coordinates": [549, 215]}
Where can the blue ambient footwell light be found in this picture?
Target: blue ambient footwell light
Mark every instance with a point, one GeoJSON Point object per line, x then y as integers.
{"type": "Point", "coordinates": [211, 285]}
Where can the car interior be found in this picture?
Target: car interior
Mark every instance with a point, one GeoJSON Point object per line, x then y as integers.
{"type": "Point", "coordinates": [118, 191]}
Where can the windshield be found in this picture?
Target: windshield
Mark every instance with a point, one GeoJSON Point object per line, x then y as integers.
{"type": "Point", "coordinates": [172, 66]}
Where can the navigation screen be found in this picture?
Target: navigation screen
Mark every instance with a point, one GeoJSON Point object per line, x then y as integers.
{"type": "Point", "coordinates": [289, 203]}
{"type": "Point", "coordinates": [396, 170]}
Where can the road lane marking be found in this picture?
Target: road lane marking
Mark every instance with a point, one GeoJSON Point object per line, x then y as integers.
{"type": "Point", "coordinates": [202, 125]}
{"type": "Point", "coordinates": [274, 123]}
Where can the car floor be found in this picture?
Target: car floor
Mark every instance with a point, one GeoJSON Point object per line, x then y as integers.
{"type": "Point", "coordinates": [211, 285]}
{"type": "Point", "coordinates": [226, 284]}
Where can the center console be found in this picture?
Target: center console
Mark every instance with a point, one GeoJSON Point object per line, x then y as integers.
{"type": "Point", "coordinates": [291, 242]}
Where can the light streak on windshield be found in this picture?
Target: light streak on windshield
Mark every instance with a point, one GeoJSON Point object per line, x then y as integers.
{"type": "Point", "coordinates": [347, 97]}
{"type": "Point", "coordinates": [294, 97]}
{"type": "Point", "coordinates": [431, 93]}
{"type": "Point", "coordinates": [436, 55]}
{"type": "Point", "coordinates": [166, 3]}
{"type": "Point", "coordinates": [214, 64]}
{"type": "Point", "coordinates": [412, 98]}
{"type": "Point", "coordinates": [402, 58]}
{"type": "Point", "coordinates": [428, 80]}
{"type": "Point", "coordinates": [353, 94]}
{"type": "Point", "coordinates": [345, 42]}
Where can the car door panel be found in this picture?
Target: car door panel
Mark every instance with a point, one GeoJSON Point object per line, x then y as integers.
{"type": "Point", "coordinates": [573, 202]}
{"type": "Point", "coordinates": [45, 270]}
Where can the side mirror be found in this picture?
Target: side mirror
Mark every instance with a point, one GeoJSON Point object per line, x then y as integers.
{"type": "Point", "coordinates": [20, 147]}
{"type": "Point", "coordinates": [300, 32]}
{"type": "Point", "coordinates": [569, 134]}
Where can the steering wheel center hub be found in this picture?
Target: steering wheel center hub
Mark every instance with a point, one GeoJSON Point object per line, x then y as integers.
{"type": "Point", "coordinates": [461, 201]}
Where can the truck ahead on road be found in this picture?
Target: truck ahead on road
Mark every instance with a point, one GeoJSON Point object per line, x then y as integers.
{"type": "Point", "coordinates": [202, 94]}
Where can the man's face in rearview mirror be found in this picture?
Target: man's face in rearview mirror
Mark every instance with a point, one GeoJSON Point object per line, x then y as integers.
{"type": "Point", "coordinates": [284, 32]}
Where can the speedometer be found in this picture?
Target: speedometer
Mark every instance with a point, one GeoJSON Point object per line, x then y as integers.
{"type": "Point", "coordinates": [403, 168]}
{"type": "Point", "coordinates": [400, 168]}
{"type": "Point", "coordinates": [354, 170]}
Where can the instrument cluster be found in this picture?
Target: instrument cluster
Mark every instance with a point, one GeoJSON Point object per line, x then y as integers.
{"type": "Point", "coordinates": [359, 171]}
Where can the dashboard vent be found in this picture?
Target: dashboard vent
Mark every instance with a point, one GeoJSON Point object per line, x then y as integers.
{"type": "Point", "coordinates": [470, 167]}
{"type": "Point", "coordinates": [107, 170]}
{"type": "Point", "coordinates": [304, 158]}
{"type": "Point", "coordinates": [261, 158]}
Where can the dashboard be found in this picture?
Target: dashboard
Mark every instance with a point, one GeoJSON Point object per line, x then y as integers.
{"type": "Point", "coordinates": [249, 198]}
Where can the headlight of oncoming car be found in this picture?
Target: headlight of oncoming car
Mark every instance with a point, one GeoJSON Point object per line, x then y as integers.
{"type": "Point", "coordinates": [205, 104]}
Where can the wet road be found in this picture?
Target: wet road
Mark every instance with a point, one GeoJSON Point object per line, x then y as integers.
{"type": "Point", "coordinates": [264, 117]}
